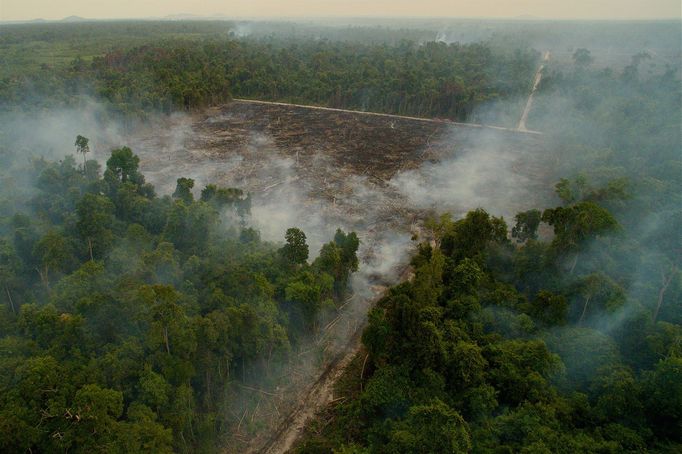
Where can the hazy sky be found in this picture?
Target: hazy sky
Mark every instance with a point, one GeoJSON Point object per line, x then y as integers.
{"type": "Point", "coordinates": [560, 9]}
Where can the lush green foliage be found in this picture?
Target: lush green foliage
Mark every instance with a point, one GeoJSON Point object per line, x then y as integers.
{"type": "Point", "coordinates": [568, 342]}
{"type": "Point", "coordinates": [129, 319]}
{"type": "Point", "coordinates": [431, 79]}
{"type": "Point", "coordinates": [470, 355]}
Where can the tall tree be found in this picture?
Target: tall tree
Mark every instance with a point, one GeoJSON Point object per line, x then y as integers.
{"type": "Point", "coordinates": [575, 224]}
{"type": "Point", "coordinates": [83, 147]}
{"type": "Point", "coordinates": [296, 249]}
{"type": "Point", "coordinates": [53, 253]}
{"type": "Point", "coordinates": [95, 217]}
{"type": "Point", "coordinates": [183, 190]}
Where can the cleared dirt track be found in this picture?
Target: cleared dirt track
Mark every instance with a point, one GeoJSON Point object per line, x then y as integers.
{"type": "Point", "coordinates": [401, 117]}
{"type": "Point", "coordinates": [529, 104]}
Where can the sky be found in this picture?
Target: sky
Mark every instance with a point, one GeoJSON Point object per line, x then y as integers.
{"type": "Point", "coordinates": [547, 9]}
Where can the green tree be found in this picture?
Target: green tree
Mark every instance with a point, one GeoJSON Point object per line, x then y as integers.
{"type": "Point", "coordinates": [575, 224]}
{"type": "Point", "coordinates": [122, 167]}
{"type": "Point", "coordinates": [9, 266]}
{"type": "Point", "coordinates": [582, 58]}
{"type": "Point", "coordinates": [431, 428]}
{"type": "Point", "coordinates": [94, 420]}
{"type": "Point", "coordinates": [549, 308]}
{"type": "Point", "coordinates": [470, 237]}
{"type": "Point", "coordinates": [53, 253]}
{"type": "Point", "coordinates": [95, 217]}
{"type": "Point", "coordinates": [164, 314]}
{"type": "Point", "coordinates": [527, 224]}
{"type": "Point", "coordinates": [83, 147]}
{"type": "Point", "coordinates": [599, 294]}
{"type": "Point", "coordinates": [296, 249]}
{"type": "Point", "coordinates": [142, 433]}
{"type": "Point", "coordinates": [183, 190]}
{"type": "Point", "coordinates": [663, 398]}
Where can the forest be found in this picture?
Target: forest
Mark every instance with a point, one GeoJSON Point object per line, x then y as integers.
{"type": "Point", "coordinates": [129, 316]}
{"type": "Point", "coordinates": [130, 319]}
{"type": "Point", "coordinates": [173, 72]}
{"type": "Point", "coordinates": [509, 339]}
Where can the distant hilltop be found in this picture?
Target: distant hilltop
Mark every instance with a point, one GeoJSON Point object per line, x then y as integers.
{"type": "Point", "coordinates": [74, 19]}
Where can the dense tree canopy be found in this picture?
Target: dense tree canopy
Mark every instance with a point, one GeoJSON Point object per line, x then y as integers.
{"type": "Point", "coordinates": [126, 316]}
{"type": "Point", "coordinates": [565, 340]}
{"type": "Point", "coordinates": [431, 79]}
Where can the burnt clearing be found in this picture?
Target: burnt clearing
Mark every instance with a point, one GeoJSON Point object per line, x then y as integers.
{"type": "Point", "coordinates": [345, 164]}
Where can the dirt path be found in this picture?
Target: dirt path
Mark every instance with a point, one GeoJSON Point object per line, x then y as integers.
{"type": "Point", "coordinates": [401, 117]}
{"type": "Point", "coordinates": [529, 104]}
{"type": "Point", "coordinates": [320, 393]}
{"type": "Point", "coordinates": [318, 396]}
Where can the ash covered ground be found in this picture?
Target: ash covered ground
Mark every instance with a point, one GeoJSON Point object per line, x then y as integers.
{"type": "Point", "coordinates": [321, 169]}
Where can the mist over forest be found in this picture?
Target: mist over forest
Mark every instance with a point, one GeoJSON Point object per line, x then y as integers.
{"type": "Point", "coordinates": [341, 236]}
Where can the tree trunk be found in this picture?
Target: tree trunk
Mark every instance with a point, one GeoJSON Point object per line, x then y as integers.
{"type": "Point", "coordinates": [90, 249]}
{"type": "Point", "coordinates": [43, 277]}
{"type": "Point", "coordinates": [208, 385]}
{"type": "Point", "coordinates": [165, 339]}
{"type": "Point", "coordinates": [575, 262]}
{"type": "Point", "coordinates": [11, 303]}
{"type": "Point", "coordinates": [582, 316]}
{"type": "Point", "coordinates": [661, 292]}
{"type": "Point", "coordinates": [220, 369]}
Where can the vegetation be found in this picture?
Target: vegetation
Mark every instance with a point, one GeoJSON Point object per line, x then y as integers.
{"type": "Point", "coordinates": [503, 347]}
{"type": "Point", "coordinates": [128, 319]}
{"type": "Point", "coordinates": [433, 79]}
{"type": "Point", "coordinates": [568, 342]}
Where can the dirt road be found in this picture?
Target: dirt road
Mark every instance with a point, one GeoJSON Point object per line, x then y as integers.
{"type": "Point", "coordinates": [529, 104]}
{"type": "Point", "coordinates": [316, 398]}
{"type": "Point", "coordinates": [321, 393]}
{"type": "Point", "coordinates": [400, 117]}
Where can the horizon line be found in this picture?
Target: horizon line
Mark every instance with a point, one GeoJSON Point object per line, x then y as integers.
{"type": "Point", "coordinates": [178, 17]}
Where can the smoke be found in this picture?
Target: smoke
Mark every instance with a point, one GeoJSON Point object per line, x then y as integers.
{"type": "Point", "coordinates": [242, 29]}
{"type": "Point", "coordinates": [501, 171]}
{"type": "Point", "coordinates": [51, 133]}
{"type": "Point", "coordinates": [487, 169]}
{"type": "Point", "coordinates": [484, 168]}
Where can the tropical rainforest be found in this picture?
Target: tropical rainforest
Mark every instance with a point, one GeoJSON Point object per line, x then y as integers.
{"type": "Point", "coordinates": [129, 316]}
{"type": "Point", "coordinates": [511, 340]}
{"type": "Point", "coordinates": [170, 72]}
